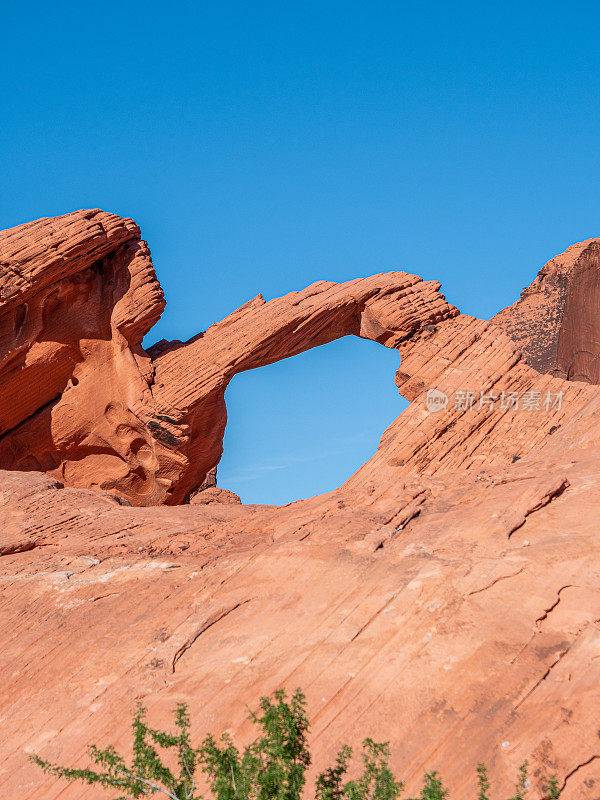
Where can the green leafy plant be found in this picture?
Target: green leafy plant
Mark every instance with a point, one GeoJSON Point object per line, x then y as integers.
{"type": "Point", "coordinates": [432, 788]}
{"type": "Point", "coordinates": [483, 783]}
{"type": "Point", "coordinates": [329, 784]}
{"type": "Point", "coordinates": [522, 783]}
{"type": "Point", "coordinates": [272, 767]}
{"type": "Point", "coordinates": [147, 774]}
{"type": "Point", "coordinates": [551, 791]}
{"type": "Point", "coordinates": [377, 781]}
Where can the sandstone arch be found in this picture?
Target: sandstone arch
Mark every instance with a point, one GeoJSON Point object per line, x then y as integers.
{"type": "Point", "coordinates": [83, 401]}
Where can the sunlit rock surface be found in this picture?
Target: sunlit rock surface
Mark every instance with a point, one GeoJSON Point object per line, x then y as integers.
{"type": "Point", "coordinates": [446, 597]}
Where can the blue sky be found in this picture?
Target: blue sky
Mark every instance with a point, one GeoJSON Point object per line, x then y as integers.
{"type": "Point", "coordinates": [263, 146]}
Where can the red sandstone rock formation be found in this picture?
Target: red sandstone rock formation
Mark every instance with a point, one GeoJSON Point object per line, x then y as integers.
{"type": "Point", "coordinates": [83, 401]}
{"type": "Point", "coordinates": [78, 294]}
{"type": "Point", "coordinates": [556, 320]}
{"type": "Point", "coordinates": [445, 598]}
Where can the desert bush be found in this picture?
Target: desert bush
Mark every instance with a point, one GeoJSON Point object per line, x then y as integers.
{"type": "Point", "coordinates": [272, 767]}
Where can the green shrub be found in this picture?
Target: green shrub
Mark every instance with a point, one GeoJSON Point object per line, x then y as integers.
{"type": "Point", "coordinates": [377, 781]}
{"type": "Point", "coordinates": [272, 767]}
{"type": "Point", "coordinates": [522, 783]}
{"type": "Point", "coordinates": [552, 792]}
{"type": "Point", "coordinates": [484, 784]}
{"type": "Point", "coordinates": [432, 788]}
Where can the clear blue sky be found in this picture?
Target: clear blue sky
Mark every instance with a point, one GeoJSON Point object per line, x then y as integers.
{"type": "Point", "coordinates": [262, 146]}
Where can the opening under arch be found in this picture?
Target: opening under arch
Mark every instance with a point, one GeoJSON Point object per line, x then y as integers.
{"type": "Point", "coordinates": [302, 426]}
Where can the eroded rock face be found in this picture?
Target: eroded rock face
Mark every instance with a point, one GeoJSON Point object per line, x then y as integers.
{"type": "Point", "coordinates": [83, 401]}
{"type": "Point", "coordinates": [79, 293]}
{"type": "Point", "coordinates": [446, 597]}
{"type": "Point", "coordinates": [556, 319]}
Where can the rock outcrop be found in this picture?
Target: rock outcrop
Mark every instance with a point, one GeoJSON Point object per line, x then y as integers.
{"type": "Point", "coordinates": [83, 401]}
{"type": "Point", "coordinates": [556, 319]}
{"type": "Point", "coordinates": [446, 597]}
{"type": "Point", "coordinates": [78, 295]}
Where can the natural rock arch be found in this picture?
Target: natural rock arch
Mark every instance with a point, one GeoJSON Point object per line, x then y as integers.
{"type": "Point", "coordinates": [94, 409]}
{"type": "Point", "coordinates": [81, 399]}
